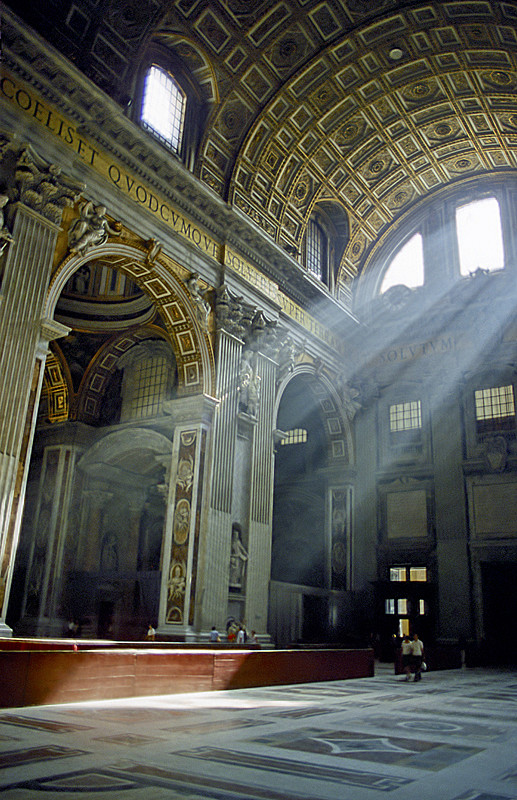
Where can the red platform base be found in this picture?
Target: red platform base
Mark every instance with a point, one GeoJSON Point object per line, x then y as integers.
{"type": "Point", "coordinates": [38, 676]}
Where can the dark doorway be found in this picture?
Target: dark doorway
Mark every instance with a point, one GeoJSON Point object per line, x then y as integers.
{"type": "Point", "coordinates": [315, 619]}
{"type": "Point", "coordinates": [500, 611]}
{"type": "Point", "coordinates": [105, 626]}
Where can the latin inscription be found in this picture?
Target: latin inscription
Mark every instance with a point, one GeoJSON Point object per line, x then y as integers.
{"type": "Point", "coordinates": [53, 122]}
{"type": "Point", "coordinates": [123, 180]}
{"type": "Point", "coordinates": [411, 351]}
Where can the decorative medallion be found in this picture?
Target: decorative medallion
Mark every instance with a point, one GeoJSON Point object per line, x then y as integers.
{"type": "Point", "coordinates": [339, 557]}
{"type": "Point", "coordinates": [181, 521]}
{"type": "Point", "coordinates": [499, 78]}
{"type": "Point", "coordinates": [443, 130]}
{"type": "Point", "coordinates": [420, 92]}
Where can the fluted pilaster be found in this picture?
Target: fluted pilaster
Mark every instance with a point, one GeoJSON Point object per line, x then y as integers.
{"type": "Point", "coordinates": [259, 547]}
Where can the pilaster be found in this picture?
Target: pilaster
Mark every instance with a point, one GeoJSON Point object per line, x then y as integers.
{"type": "Point", "coordinates": [38, 194]}
{"type": "Point", "coordinates": [186, 532]}
{"type": "Point", "coordinates": [261, 502]}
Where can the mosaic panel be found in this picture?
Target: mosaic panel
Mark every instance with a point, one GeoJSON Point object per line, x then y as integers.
{"type": "Point", "coordinates": [31, 755]}
{"type": "Point", "coordinates": [299, 768]}
{"type": "Point", "coordinates": [442, 727]}
{"type": "Point", "coordinates": [369, 747]}
{"type": "Point", "coordinates": [53, 726]}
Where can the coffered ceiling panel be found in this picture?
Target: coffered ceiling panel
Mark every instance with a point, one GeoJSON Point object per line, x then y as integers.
{"type": "Point", "coordinates": [372, 104]}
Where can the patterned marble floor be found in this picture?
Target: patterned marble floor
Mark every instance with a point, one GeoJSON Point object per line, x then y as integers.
{"type": "Point", "coordinates": [453, 736]}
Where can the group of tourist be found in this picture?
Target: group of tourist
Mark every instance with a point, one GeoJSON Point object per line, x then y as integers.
{"type": "Point", "coordinates": [412, 657]}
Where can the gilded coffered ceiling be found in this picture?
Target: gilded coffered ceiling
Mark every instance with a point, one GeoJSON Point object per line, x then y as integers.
{"type": "Point", "coordinates": [371, 104]}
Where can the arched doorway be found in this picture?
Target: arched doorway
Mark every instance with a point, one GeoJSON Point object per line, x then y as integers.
{"type": "Point", "coordinates": [92, 530]}
{"type": "Point", "coordinates": [303, 567]}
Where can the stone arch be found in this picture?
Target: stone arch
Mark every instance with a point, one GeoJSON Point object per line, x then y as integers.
{"type": "Point", "coordinates": [191, 344]}
{"type": "Point", "coordinates": [55, 390]}
{"type": "Point", "coordinates": [118, 447]}
{"type": "Point", "coordinates": [337, 426]}
{"type": "Point", "coordinates": [97, 376]}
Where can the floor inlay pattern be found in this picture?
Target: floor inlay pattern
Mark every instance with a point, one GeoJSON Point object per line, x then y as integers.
{"type": "Point", "coordinates": [453, 736]}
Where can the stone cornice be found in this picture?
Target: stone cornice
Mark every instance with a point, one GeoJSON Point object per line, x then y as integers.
{"type": "Point", "coordinates": [100, 120]}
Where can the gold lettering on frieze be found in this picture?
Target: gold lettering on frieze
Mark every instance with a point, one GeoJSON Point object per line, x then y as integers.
{"type": "Point", "coordinates": [19, 95]}
{"type": "Point", "coordinates": [410, 352]}
{"type": "Point", "coordinates": [250, 274]}
{"type": "Point", "coordinates": [309, 323]}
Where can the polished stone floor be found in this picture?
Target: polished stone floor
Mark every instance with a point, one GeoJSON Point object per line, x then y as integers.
{"type": "Point", "coordinates": [453, 736]}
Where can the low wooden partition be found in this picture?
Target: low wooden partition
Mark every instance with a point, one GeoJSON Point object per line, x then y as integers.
{"type": "Point", "coordinates": [39, 677]}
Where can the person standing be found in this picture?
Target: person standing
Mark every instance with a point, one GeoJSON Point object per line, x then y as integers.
{"type": "Point", "coordinates": [214, 635]}
{"type": "Point", "coordinates": [417, 656]}
{"type": "Point", "coordinates": [406, 657]}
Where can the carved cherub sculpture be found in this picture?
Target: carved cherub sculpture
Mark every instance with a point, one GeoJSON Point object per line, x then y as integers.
{"type": "Point", "coordinates": [91, 229]}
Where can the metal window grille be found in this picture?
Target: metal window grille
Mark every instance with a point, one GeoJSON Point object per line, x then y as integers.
{"type": "Point", "coordinates": [163, 107]}
{"type": "Point", "coordinates": [406, 416]}
{"type": "Point", "coordinates": [495, 403]}
{"type": "Point", "coordinates": [150, 387]}
{"type": "Point", "coordinates": [315, 249]}
{"type": "Point", "coordinates": [295, 436]}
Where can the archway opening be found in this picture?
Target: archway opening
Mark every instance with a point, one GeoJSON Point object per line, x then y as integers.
{"type": "Point", "coordinates": [299, 567]}
{"type": "Point", "coordinates": [89, 557]}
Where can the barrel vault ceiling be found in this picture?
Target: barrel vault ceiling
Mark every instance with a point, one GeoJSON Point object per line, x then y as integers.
{"type": "Point", "coordinates": [371, 104]}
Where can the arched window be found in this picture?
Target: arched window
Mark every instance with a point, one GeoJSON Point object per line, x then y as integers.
{"type": "Point", "coordinates": [479, 234]}
{"type": "Point", "coordinates": [407, 266]}
{"type": "Point", "coordinates": [163, 107]}
{"type": "Point", "coordinates": [316, 250]}
{"type": "Point", "coordinates": [149, 379]}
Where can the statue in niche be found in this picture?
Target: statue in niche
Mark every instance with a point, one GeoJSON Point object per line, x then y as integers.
{"type": "Point", "coordinates": [91, 229]}
{"type": "Point", "coordinates": [238, 559]}
{"type": "Point", "coordinates": [249, 385]}
{"type": "Point", "coordinates": [254, 395]}
{"type": "Point", "coordinates": [109, 553]}
{"type": "Point", "coordinates": [176, 583]}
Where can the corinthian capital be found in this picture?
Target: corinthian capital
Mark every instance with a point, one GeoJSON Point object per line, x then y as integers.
{"type": "Point", "coordinates": [42, 186]}
{"type": "Point", "coordinates": [233, 315]}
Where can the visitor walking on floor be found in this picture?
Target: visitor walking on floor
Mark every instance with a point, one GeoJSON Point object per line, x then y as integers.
{"type": "Point", "coordinates": [406, 657]}
{"type": "Point", "coordinates": [417, 656]}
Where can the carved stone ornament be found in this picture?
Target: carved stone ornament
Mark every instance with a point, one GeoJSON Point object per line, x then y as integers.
{"type": "Point", "coordinates": [91, 229]}
{"type": "Point", "coordinates": [5, 235]}
{"type": "Point", "coordinates": [199, 299]}
{"type": "Point", "coordinates": [496, 454]}
{"type": "Point", "coordinates": [42, 186]}
{"type": "Point", "coordinates": [249, 384]}
{"type": "Point", "coordinates": [154, 249]}
{"type": "Point", "coordinates": [351, 397]}
{"type": "Point", "coordinates": [229, 312]}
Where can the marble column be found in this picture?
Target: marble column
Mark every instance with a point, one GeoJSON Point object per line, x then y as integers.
{"type": "Point", "coordinates": [218, 540]}
{"type": "Point", "coordinates": [186, 532]}
{"type": "Point", "coordinates": [39, 193]}
{"type": "Point", "coordinates": [45, 571]}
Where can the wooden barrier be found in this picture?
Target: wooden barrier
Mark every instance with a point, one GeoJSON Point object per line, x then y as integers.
{"type": "Point", "coordinates": [38, 677]}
